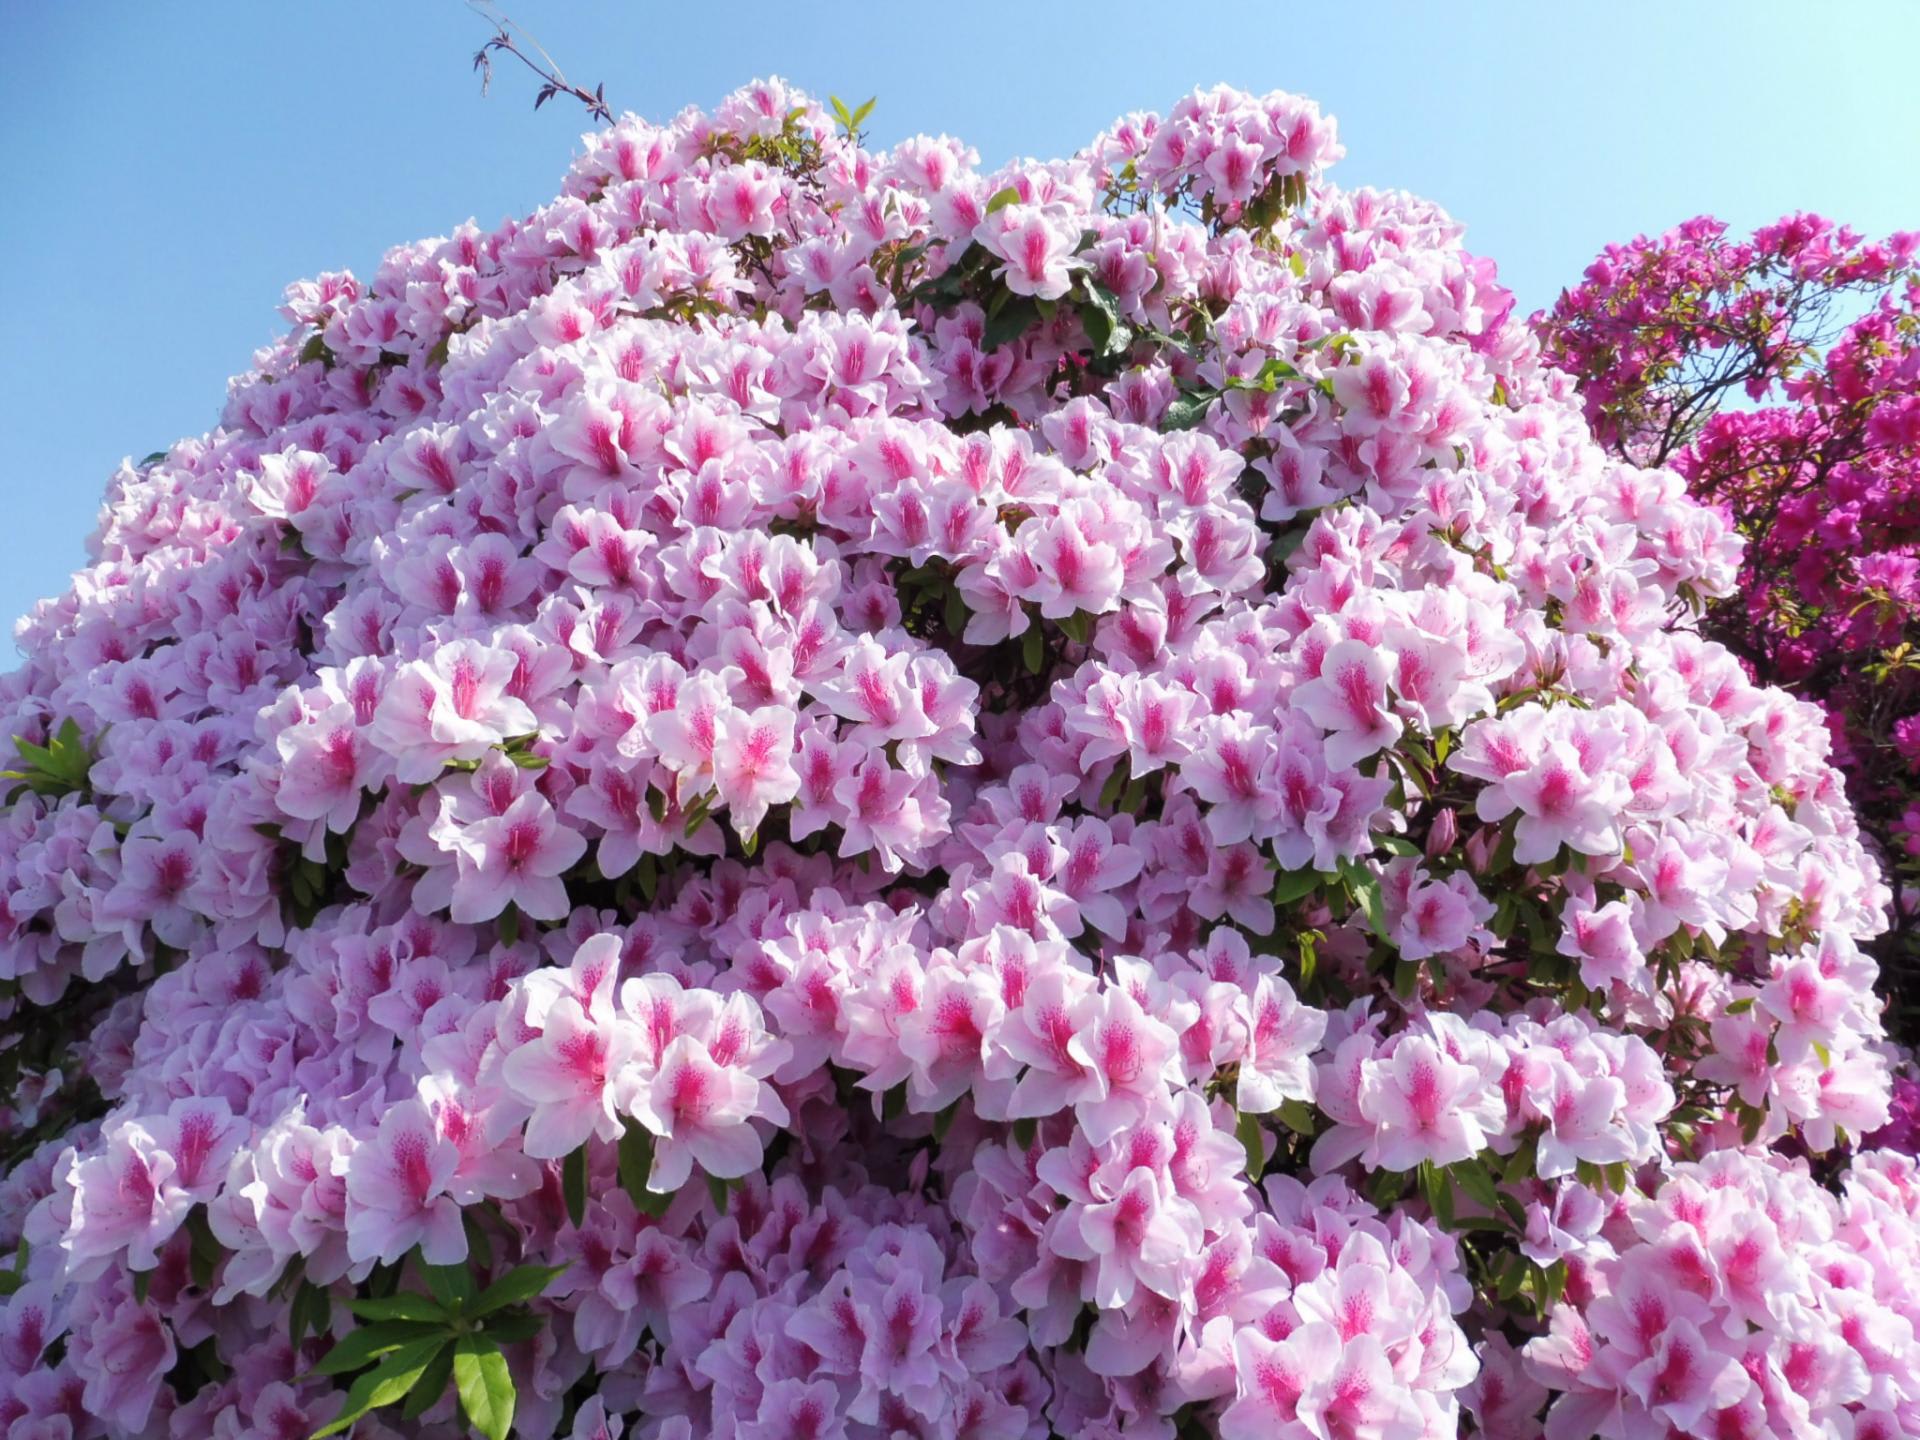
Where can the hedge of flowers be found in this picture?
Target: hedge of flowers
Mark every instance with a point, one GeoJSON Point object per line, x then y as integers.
{"type": "Point", "coordinates": [1780, 374]}
{"type": "Point", "coordinates": [826, 793]}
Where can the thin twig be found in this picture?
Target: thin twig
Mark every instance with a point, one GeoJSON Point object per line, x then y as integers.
{"type": "Point", "coordinates": [552, 80]}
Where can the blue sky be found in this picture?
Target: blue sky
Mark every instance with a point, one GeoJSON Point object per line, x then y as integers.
{"type": "Point", "coordinates": [167, 169]}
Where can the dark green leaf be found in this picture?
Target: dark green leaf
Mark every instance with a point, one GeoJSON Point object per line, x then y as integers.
{"type": "Point", "coordinates": [398, 1307]}
{"type": "Point", "coordinates": [1473, 1177]}
{"type": "Point", "coordinates": [511, 1326]}
{"type": "Point", "coordinates": [517, 1286]}
{"type": "Point", "coordinates": [1365, 886]}
{"type": "Point", "coordinates": [1107, 330]}
{"type": "Point", "coordinates": [1012, 320]}
{"type": "Point", "coordinates": [1253, 1139]}
{"type": "Point", "coordinates": [1296, 885]}
{"type": "Point", "coordinates": [573, 1185]}
{"type": "Point", "coordinates": [1297, 1116]}
{"type": "Point", "coordinates": [1188, 409]}
{"type": "Point", "coordinates": [207, 1252]}
{"type": "Point", "coordinates": [451, 1285]}
{"type": "Point", "coordinates": [636, 1160]}
{"type": "Point", "coordinates": [367, 1344]}
{"type": "Point", "coordinates": [387, 1382]}
{"type": "Point", "coordinates": [311, 1312]}
{"type": "Point", "coordinates": [431, 1385]}
{"type": "Point", "coordinates": [1033, 649]}
{"type": "Point", "coordinates": [479, 1245]}
{"type": "Point", "coordinates": [1437, 1190]}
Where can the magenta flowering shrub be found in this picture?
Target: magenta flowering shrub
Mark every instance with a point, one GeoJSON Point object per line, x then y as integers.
{"type": "Point", "coordinates": [819, 793]}
{"type": "Point", "coordinates": [1780, 374]}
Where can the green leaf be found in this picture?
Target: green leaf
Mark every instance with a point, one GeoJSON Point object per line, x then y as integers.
{"type": "Point", "coordinates": [1437, 1190]}
{"type": "Point", "coordinates": [954, 612]}
{"type": "Point", "coordinates": [1188, 409]}
{"type": "Point", "coordinates": [1033, 649]}
{"type": "Point", "coordinates": [517, 1286]}
{"type": "Point", "coordinates": [573, 1185]}
{"type": "Point", "coordinates": [1365, 886]}
{"type": "Point", "coordinates": [1297, 1116]}
{"type": "Point", "coordinates": [387, 1382]}
{"type": "Point", "coordinates": [717, 1192]}
{"type": "Point", "coordinates": [479, 1246]}
{"type": "Point", "coordinates": [431, 1385]}
{"type": "Point", "coordinates": [1000, 199]}
{"type": "Point", "coordinates": [1473, 1177]}
{"type": "Point", "coordinates": [1252, 1137]}
{"type": "Point", "coordinates": [509, 1327]}
{"type": "Point", "coordinates": [1740, 1006]}
{"type": "Point", "coordinates": [316, 349]}
{"type": "Point", "coordinates": [486, 1389]}
{"type": "Point", "coordinates": [1521, 1164]}
{"type": "Point", "coordinates": [1107, 330]}
{"type": "Point", "coordinates": [311, 1312]}
{"type": "Point", "coordinates": [1511, 1275]}
{"type": "Point", "coordinates": [398, 1307]}
{"type": "Point", "coordinates": [207, 1252]}
{"type": "Point", "coordinates": [1268, 377]}
{"type": "Point", "coordinates": [367, 1344]}
{"type": "Point", "coordinates": [636, 1161]}
{"type": "Point", "coordinates": [1012, 320]}
{"type": "Point", "coordinates": [1387, 1187]}
{"type": "Point", "coordinates": [1296, 885]}
{"type": "Point", "coordinates": [451, 1285]}
{"type": "Point", "coordinates": [697, 813]}
{"type": "Point", "coordinates": [860, 115]}
{"type": "Point", "coordinates": [1406, 979]}
{"type": "Point", "coordinates": [382, 1281]}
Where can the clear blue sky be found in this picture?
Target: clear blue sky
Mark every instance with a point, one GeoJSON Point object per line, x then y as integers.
{"type": "Point", "coordinates": [165, 169]}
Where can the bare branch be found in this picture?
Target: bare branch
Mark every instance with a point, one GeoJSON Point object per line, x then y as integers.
{"type": "Point", "coordinates": [507, 39]}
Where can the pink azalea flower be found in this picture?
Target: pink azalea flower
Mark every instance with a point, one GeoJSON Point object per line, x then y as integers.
{"type": "Point", "coordinates": [701, 1112]}
{"type": "Point", "coordinates": [398, 1191]}
{"type": "Point", "coordinates": [515, 858]}
{"type": "Point", "coordinates": [565, 1074]}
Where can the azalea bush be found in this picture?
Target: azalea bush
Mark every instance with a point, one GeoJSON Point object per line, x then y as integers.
{"type": "Point", "coordinates": [1780, 374]}
{"type": "Point", "coordinates": [825, 792]}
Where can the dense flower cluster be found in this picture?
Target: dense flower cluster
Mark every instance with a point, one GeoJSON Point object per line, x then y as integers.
{"type": "Point", "coordinates": [818, 793]}
{"type": "Point", "coordinates": [1780, 374]}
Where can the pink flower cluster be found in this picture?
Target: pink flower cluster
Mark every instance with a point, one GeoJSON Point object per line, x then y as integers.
{"type": "Point", "coordinates": [1061, 800]}
{"type": "Point", "coordinates": [1780, 374]}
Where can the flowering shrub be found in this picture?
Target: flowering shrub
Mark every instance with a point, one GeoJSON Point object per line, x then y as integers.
{"type": "Point", "coordinates": [1781, 376]}
{"type": "Point", "coordinates": [820, 793]}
